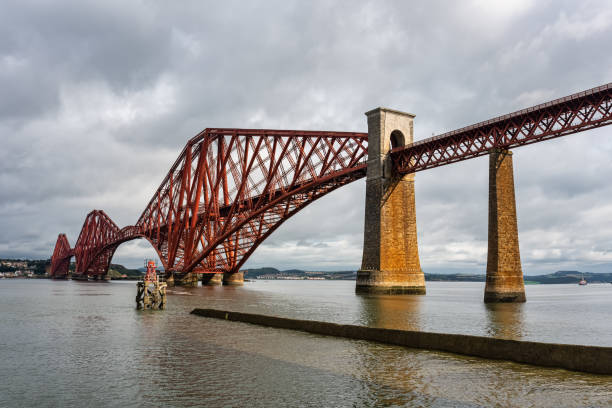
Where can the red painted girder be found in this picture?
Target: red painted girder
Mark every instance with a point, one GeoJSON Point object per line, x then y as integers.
{"type": "Point", "coordinates": [229, 187]}
{"type": "Point", "coordinates": [97, 233]}
{"type": "Point", "coordinates": [254, 227]}
{"type": "Point", "coordinates": [60, 261]}
{"type": "Point", "coordinates": [228, 132]}
{"type": "Point", "coordinates": [97, 242]}
{"type": "Point", "coordinates": [571, 114]}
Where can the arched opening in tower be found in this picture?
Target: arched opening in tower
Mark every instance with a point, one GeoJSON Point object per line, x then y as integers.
{"type": "Point", "coordinates": [397, 139]}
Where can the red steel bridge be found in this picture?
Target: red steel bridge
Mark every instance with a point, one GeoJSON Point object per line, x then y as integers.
{"type": "Point", "coordinates": [230, 189]}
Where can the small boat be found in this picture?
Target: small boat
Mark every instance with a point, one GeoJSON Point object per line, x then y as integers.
{"type": "Point", "coordinates": [582, 281]}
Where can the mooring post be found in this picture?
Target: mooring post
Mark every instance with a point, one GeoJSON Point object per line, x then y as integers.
{"type": "Point", "coordinates": [390, 262]}
{"type": "Point", "coordinates": [504, 272]}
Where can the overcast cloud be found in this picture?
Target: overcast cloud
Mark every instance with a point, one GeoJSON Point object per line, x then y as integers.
{"type": "Point", "coordinates": [98, 99]}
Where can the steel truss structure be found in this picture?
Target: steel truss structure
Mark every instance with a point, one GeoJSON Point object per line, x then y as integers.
{"type": "Point", "coordinates": [97, 242]}
{"type": "Point", "coordinates": [60, 261]}
{"type": "Point", "coordinates": [575, 113]}
{"type": "Point", "coordinates": [230, 189]}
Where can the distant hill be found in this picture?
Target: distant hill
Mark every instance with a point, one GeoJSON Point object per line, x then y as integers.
{"type": "Point", "coordinates": [157, 267]}
{"type": "Point", "coordinates": [35, 266]}
{"type": "Point", "coordinates": [552, 278]}
{"type": "Point", "coordinates": [116, 271]}
{"type": "Point", "coordinates": [40, 266]}
{"type": "Point", "coordinates": [254, 273]}
{"type": "Point", "coordinates": [273, 273]}
{"type": "Point", "coordinates": [571, 277]}
{"type": "Point", "coordinates": [454, 277]}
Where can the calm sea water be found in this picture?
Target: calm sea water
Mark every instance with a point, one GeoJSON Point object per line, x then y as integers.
{"type": "Point", "coordinates": [84, 344]}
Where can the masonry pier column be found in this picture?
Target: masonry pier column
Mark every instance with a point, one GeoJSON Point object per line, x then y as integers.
{"type": "Point", "coordinates": [212, 279]}
{"type": "Point", "coordinates": [233, 279]}
{"type": "Point", "coordinates": [504, 273]}
{"type": "Point", "coordinates": [390, 262]}
{"type": "Point", "coordinates": [190, 280]}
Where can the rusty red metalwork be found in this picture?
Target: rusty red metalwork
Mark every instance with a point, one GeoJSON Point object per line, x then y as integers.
{"type": "Point", "coordinates": [97, 242]}
{"type": "Point", "coordinates": [60, 262]}
{"type": "Point", "coordinates": [230, 189]}
{"type": "Point", "coordinates": [227, 191]}
{"type": "Point", "coordinates": [151, 274]}
{"type": "Point", "coordinates": [575, 113]}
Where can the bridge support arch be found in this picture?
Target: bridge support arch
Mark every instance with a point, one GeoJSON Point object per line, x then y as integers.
{"type": "Point", "coordinates": [504, 273]}
{"type": "Point", "coordinates": [390, 262]}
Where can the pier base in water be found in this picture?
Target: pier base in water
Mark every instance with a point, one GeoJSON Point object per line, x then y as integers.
{"type": "Point", "coordinates": [233, 279]}
{"type": "Point", "coordinates": [212, 279]}
{"type": "Point", "coordinates": [189, 280]}
{"type": "Point", "coordinates": [504, 273]}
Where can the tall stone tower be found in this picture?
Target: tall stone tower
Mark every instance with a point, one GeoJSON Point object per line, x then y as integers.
{"type": "Point", "coordinates": [390, 261]}
{"type": "Point", "coordinates": [504, 273]}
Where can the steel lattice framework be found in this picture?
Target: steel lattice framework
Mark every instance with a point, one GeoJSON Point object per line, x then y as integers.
{"type": "Point", "coordinates": [230, 189]}
{"type": "Point", "coordinates": [227, 191]}
{"type": "Point", "coordinates": [97, 242]}
{"type": "Point", "coordinates": [60, 262]}
{"type": "Point", "coordinates": [575, 113]}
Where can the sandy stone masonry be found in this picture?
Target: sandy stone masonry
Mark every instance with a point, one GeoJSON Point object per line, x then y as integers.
{"type": "Point", "coordinates": [504, 273]}
{"type": "Point", "coordinates": [233, 279]}
{"type": "Point", "coordinates": [390, 261]}
{"type": "Point", "coordinates": [190, 280]}
{"type": "Point", "coordinates": [212, 279]}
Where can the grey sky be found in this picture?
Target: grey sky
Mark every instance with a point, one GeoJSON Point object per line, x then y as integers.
{"type": "Point", "coordinates": [98, 99]}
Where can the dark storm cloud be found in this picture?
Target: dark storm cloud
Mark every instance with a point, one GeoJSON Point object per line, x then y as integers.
{"type": "Point", "coordinates": [100, 97]}
{"type": "Point", "coordinates": [51, 44]}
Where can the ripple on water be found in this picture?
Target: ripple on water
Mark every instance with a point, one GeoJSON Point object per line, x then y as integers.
{"type": "Point", "coordinates": [69, 349]}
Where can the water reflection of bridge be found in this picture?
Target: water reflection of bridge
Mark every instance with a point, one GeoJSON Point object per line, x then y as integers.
{"type": "Point", "coordinates": [391, 312]}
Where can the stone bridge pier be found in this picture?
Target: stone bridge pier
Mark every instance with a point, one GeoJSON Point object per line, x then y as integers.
{"type": "Point", "coordinates": [212, 279]}
{"type": "Point", "coordinates": [189, 280]}
{"type": "Point", "coordinates": [208, 279]}
{"type": "Point", "coordinates": [504, 272]}
{"type": "Point", "coordinates": [390, 262]}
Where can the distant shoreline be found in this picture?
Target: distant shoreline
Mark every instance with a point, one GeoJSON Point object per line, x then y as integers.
{"type": "Point", "coordinates": [37, 269]}
{"type": "Point", "coordinates": [559, 277]}
{"type": "Point", "coordinates": [287, 278]}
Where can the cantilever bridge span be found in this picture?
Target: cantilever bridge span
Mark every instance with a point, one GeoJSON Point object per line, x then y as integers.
{"type": "Point", "coordinates": [230, 189]}
{"type": "Point", "coordinates": [227, 191]}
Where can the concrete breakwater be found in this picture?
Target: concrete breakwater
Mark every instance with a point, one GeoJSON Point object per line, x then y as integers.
{"type": "Point", "coordinates": [590, 359]}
